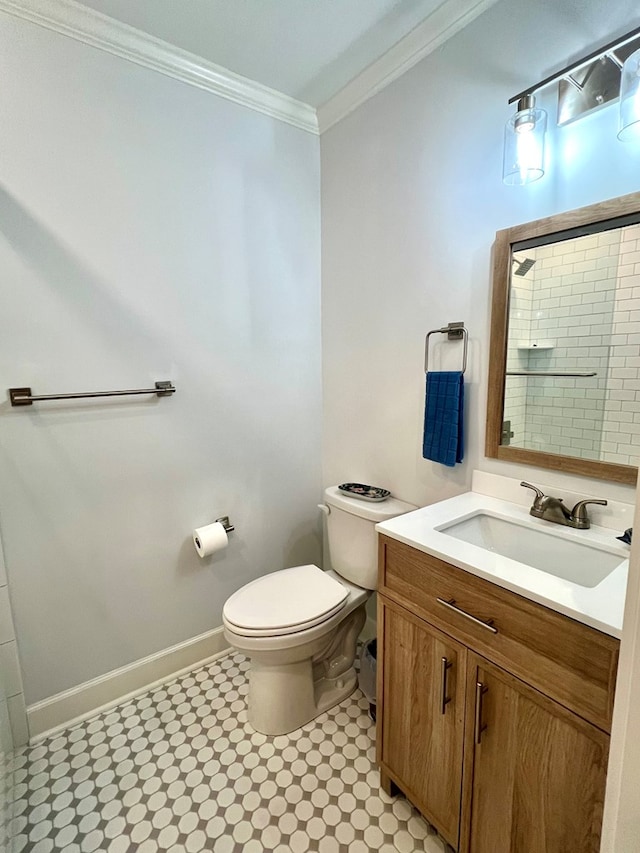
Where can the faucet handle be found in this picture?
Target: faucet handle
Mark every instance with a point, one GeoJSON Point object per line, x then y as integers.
{"type": "Point", "coordinates": [579, 512]}
{"type": "Point", "coordinates": [539, 494]}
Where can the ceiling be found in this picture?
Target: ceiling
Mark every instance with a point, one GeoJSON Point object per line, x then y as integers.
{"type": "Point", "coordinates": [307, 49]}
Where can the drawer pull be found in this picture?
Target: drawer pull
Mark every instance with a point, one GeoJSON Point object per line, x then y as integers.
{"type": "Point", "coordinates": [451, 604]}
{"type": "Point", "coordinates": [479, 726]}
{"type": "Point", "coordinates": [444, 699]}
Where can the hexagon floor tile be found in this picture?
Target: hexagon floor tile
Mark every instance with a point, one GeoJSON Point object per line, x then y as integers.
{"type": "Point", "coordinates": [180, 769]}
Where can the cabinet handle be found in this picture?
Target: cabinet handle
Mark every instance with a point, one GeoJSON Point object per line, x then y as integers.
{"type": "Point", "coordinates": [451, 604]}
{"type": "Point", "coordinates": [444, 699]}
{"type": "Point", "coordinates": [479, 726]}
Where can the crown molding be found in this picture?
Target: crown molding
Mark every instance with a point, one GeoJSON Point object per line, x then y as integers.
{"type": "Point", "coordinates": [88, 26]}
{"type": "Point", "coordinates": [443, 23]}
{"type": "Point", "coordinates": [79, 22]}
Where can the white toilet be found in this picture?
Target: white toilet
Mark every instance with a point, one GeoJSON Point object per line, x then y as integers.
{"type": "Point", "coordinates": [300, 626]}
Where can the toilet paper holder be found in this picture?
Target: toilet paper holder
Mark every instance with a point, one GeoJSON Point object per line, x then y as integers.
{"type": "Point", "coordinates": [224, 521]}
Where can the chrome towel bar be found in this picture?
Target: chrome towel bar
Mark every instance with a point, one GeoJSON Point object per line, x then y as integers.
{"type": "Point", "coordinates": [24, 397]}
{"type": "Point", "coordinates": [454, 332]}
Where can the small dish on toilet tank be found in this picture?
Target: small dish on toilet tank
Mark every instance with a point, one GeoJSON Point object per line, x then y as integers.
{"type": "Point", "coordinates": [364, 493]}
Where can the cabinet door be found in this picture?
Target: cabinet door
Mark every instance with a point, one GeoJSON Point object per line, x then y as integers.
{"type": "Point", "coordinates": [420, 731]}
{"type": "Point", "coordinates": [534, 772]}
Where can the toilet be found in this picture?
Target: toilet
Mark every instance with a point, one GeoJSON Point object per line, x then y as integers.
{"type": "Point", "coordinates": [300, 626]}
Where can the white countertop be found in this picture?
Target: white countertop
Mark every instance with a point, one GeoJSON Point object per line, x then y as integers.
{"type": "Point", "coordinates": [601, 606]}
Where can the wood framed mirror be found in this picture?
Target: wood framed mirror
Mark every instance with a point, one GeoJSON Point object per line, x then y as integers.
{"type": "Point", "coordinates": [564, 369]}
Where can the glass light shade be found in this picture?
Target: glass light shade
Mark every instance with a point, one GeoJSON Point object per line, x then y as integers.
{"type": "Point", "coordinates": [630, 99]}
{"type": "Point", "coordinates": [524, 147]}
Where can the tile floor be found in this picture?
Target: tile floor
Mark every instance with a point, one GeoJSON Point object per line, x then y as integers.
{"type": "Point", "coordinates": [180, 769]}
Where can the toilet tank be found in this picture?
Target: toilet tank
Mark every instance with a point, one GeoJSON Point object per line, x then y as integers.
{"type": "Point", "coordinates": [351, 530]}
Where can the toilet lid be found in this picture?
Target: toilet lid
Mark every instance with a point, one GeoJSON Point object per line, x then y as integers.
{"type": "Point", "coordinates": [286, 601]}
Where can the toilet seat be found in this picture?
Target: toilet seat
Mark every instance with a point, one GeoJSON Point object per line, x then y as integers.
{"type": "Point", "coordinates": [285, 602]}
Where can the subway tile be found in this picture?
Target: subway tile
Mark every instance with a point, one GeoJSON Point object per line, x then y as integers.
{"type": "Point", "coordinates": [571, 432]}
{"type": "Point", "coordinates": [608, 238]}
{"type": "Point", "coordinates": [621, 394]}
{"type": "Point", "coordinates": [592, 254]}
{"type": "Point", "coordinates": [628, 304]}
{"type": "Point", "coordinates": [18, 718]}
{"type": "Point", "coordinates": [6, 736]}
{"type": "Point", "coordinates": [583, 443]}
{"type": "Point", "coordinates": [7, 632]}
{"type": "Point", "coordinates": [597, 297]}
{"type": "Point", "coordinates": [582, 265]}
{"type": "Point", "coordinates": [590, 340]}
{"type": "Point", "coordinates": [559, 248]}
{"type": "Point", "coordinates": [624, 372]}
{"type": "Point", "coordinates": [629, 258]}
{"type": "Point", "coordinates": [576, 281]}
{"type": "Point", "coordinates": [628, 287]}
{"type": "Point", "coordinates": [619, 458]}
{"type": "Point", "coordinates": [625, 270]}
{"type": "Point", "coordinates": [629, 328]}
{"type": "Point", "coordinates": [578, 285]}
{"type": "Point", "coordinates": [10, 668]}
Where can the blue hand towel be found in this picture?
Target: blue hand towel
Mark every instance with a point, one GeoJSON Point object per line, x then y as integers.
{"type": "Point", "coordinates": [443, 416]}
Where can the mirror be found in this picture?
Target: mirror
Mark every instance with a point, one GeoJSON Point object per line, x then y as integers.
{"type": "Point", "coordinates": [564, 371]}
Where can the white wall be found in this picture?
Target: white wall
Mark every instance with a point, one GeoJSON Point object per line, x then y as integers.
{"type": "Point", "coordinates": [148, 231]}
{"type": "Point", "coordinates": [412, 197]}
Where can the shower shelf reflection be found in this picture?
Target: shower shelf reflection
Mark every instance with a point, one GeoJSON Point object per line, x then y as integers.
{"type": "Point", "coordinates": [564, 373]}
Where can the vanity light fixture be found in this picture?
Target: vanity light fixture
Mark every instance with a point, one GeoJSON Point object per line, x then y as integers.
{"type": "Point", "coordinates": [523, 160]}
{"type": "Point", "coordinates": [591, 82]}
{"type": "Point", "coordinates": [630, 99]}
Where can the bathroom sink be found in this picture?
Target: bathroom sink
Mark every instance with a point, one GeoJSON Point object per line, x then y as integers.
{"type": "Point", "coordinates": [580, 573]}
{"type": "Point", "coordinates": [554, 553]}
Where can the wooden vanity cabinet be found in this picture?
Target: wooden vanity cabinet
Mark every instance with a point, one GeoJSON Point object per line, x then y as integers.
{"type": "Point", "coordinates": [517, 761]}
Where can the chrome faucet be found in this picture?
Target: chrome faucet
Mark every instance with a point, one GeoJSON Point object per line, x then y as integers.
{"type": "Point", "coordinates": [552, 509]}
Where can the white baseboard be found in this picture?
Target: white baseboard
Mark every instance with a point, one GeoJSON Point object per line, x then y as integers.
{"type": "Point", "coordinates": [72, 706]}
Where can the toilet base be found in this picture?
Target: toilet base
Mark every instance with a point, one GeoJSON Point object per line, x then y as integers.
{"type": "Point", "coordinates": [284, 696]}
{"type": "Point", "coordinates": [281, 699]}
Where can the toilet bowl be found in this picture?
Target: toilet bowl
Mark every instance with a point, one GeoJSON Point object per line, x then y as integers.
{"type": "Point", "coordinates": [299, 626]}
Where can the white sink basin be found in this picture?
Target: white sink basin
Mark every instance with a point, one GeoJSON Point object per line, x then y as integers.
{"type": "Point", "coordinates": [581, 573]}
{"type": "Point", "coordinates": [560, 556]}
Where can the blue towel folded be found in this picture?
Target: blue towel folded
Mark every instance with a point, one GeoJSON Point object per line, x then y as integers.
{"type": "Point", "coordinates": [443, 416]}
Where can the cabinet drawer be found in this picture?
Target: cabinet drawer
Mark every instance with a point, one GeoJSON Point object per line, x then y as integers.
{"type": "Point", "coordinates": [568, 661]}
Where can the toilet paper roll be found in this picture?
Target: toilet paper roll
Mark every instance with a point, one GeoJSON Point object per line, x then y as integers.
{"type": "Point", "coordinates": [209, 539]}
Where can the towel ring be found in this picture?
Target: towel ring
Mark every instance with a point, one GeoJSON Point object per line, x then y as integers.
{"type": "Point", "coordinates": [454, 332]}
